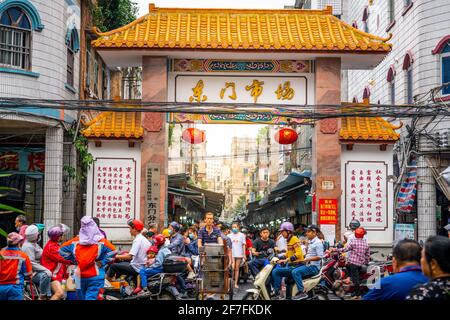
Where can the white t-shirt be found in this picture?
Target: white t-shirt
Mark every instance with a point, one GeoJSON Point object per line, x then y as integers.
{"type": "Point", "coordinates": [281, 243]}
{"type": "Point", "coordinates": [237, 241]}
{"type": "Point", "coordinates": [139, 252]}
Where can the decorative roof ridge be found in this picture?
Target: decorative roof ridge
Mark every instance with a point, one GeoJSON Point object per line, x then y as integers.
{"type": "Point", "coordinates": [327, 11]}
{"type": "Point", "coordinates": [99, 117]}
{"type": "Point", "coordinates": [369, 35]}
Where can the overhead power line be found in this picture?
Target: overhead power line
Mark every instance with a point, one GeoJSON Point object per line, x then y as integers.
{"type": "Point", "coordinates": [252, 111]}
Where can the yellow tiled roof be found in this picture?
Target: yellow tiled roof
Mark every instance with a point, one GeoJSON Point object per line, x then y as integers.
{"type": "Point", "coordinates": [284, 30]}
{"type": "Point", "coordinates": [116, 125]}
{"type": "Point", "coordinates": [367, 129]}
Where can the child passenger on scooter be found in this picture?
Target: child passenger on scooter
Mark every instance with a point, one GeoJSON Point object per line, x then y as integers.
{"type": "Point", "coordinates": [151, 254]}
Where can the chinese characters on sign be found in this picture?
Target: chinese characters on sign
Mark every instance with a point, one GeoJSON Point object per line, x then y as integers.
{"type": "Point", "coordinates": [114, 198]}
{"type": "Point", "coordinates": [255, 89]}
{"type": "Point", "coordinates": [328, 209]}
{"type": "Point", "coordinates": [242, 89]}
{"type": "Point", "coordinates": [404, 231]}
{"type": "Point", "coordinates": [9, 161]}
{"type": "Point", "coordinates": [285, 92]}
{"type": "Point", "coordinates": [22, 160]}
{"type": "Point", "coordinates": [197, 93]}
{"type": "Point", "coordinates": [231, 85]}
{"type": "Point", "coordinates": [153, 193]}
{"type": "Point", "coordinates": [366, 193]}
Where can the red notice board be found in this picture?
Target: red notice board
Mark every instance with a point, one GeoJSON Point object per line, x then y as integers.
{"type": "Point", "coordinates": [328, 209]}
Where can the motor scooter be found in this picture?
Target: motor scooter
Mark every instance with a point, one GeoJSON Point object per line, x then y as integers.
{"type": "Point", "coordinates": [261, 290]}
{"type": "Point", "coordinates": [336, 277]}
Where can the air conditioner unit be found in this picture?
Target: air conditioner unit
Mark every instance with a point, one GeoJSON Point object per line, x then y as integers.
{"type": "Point", "coordinates": [445, 139]}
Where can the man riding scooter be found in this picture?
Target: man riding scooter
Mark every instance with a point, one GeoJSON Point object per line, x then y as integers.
{"type": "Point", "coordinates": [260, 251]}
{"type": "Point", "coordinates": [312, 261]}
{"type": "Point", "coordinates": [291, 260]}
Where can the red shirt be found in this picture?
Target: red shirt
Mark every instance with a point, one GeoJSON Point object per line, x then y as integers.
{"type": "Point", "coordinates": [248, 246]}
{"type": "Point", "coordinates": [53, 261]}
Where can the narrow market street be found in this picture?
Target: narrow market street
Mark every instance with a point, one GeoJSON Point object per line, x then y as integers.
{"type": "Point", "coordinates": [165, 150]}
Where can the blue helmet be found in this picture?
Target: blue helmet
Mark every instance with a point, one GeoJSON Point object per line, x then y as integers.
{"type": "Point", "coordinates": [175, 225]}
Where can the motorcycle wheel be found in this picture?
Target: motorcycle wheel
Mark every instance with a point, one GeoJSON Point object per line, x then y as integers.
{"type": "Point", "coordinates": [166, 296]}
{"type": "Point", "coordinates": [250, 296]}
{"type": "Point", "coordinates": [320, 296]}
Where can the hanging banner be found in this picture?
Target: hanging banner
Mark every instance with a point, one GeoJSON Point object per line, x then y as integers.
{"type": "Point", "coordinates": [114, 185]}
{"type": "Point", "coordinates": [328, 209]}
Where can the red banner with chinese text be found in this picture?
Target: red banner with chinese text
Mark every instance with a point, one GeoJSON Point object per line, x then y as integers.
{"type": "Point", "coordinates": [328, 209]}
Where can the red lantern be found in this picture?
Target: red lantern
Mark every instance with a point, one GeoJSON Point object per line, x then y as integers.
{"type": "Point", "coordinates": [286, 136]}
{"type": "Point", "coordinates": [194, 136]}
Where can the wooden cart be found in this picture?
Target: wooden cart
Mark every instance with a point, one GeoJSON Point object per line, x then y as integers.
{"type": "Point", "coordinates": [214, 274]}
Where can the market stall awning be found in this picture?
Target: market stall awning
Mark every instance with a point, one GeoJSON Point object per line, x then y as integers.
{"type": "Point", "coordinates": [198, 199]}
{"type": "Point", "coordinates": [285, 199]}
{"type": "Point", "coordinates": [185, 193]}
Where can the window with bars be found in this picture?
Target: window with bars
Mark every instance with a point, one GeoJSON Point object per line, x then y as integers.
{"type": "Point", "coordinates": [365, 19]}
{"type": "Point", "coordinates": [392, 91]}
{"type": "Point", "coordinates": [88, 63]}
{"type": "Point", "coordinates": [409, 86]}
{"type": "Point", "coordinates": [408, 69]}
{"type": "Point", "coordinates": [71, 58]}
{"type": "Point", "coordinates": [96, 77]}
{"type": "Point", "coordinates": [15, 39]}
{"type": "Point", "coordinates": [445, 56]}
{"type": "Point", "coordinates": [391, 11]}
{"type": "Point", "coordinates": [104, 83]}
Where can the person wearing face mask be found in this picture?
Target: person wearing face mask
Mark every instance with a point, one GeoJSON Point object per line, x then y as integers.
{"type": "Point", "coordinates": [238, 250]}
{"type": "Point", "coordinates": [53, 261]}
{"type": "Point", "coordinates": [192, 245]}
{"type": "Point", "coordinates": [151, 232]}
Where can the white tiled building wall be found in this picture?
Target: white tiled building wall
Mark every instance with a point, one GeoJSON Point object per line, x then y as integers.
{"type": "Point", "coordinates": [418, 31]}
{"type": "Point", "coordinates": [49, 56]}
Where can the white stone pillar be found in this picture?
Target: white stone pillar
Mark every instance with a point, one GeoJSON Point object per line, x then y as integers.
{"type": "Point", "coordinates": [426, 200]}
{"type": "Point", "coordinates": [69, 187]}
{"type": "Point", "coordinates": [53, 180]}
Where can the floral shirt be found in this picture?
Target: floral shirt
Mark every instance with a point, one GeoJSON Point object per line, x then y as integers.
{"type": "Point", "coordinates": [437, 289]}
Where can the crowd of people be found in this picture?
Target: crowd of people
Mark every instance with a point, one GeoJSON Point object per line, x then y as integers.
{"type": "Point", "coordinates": [420, 272]}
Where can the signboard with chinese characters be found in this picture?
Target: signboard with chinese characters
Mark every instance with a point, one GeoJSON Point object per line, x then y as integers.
{"type": "Point", "coordinates": [153, 193]}
{"type": "Point", "coordinates": [288, 90]}
{"type": "Point", "coordinates": [366, 194]}
{"type": "Point", "coordinates": [250, 82]}
{"type": "Point", "coordinates": [329, 232]}
{"type": "Point", "coordinates": [404, 231]}
{"type": "Point", "coordinates": [114, 187]}
{"type": "Point", "coordinates": [328, 209]}
{"type": "Point", "coordinates": [22, 160]}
